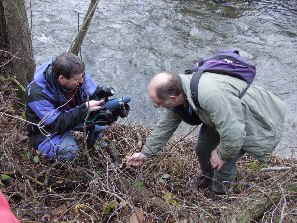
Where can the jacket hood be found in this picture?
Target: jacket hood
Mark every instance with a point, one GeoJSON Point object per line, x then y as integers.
{"type": "Point", "coordinates": [45, 79]}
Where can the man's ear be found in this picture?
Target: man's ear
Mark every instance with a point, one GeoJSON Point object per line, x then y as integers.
{"type": "Point", "coordinates": [178, 98]}
{"type": "Point", "coordinates": [172, 97]}
{"type": "Point", "coordinates": [61, 79]}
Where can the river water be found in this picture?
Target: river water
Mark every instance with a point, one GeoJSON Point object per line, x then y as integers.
{"type": "Point", "coordinates": [130, 40]}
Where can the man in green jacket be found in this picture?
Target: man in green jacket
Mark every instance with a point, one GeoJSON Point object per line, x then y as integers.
{"type": "Point", "coordinates": [231, 126]}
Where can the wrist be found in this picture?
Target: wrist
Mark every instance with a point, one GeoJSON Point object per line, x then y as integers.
{"type": "Point", "coordinates": [83, 107]}
{"type": "Point", "coordinates": [146, 155]}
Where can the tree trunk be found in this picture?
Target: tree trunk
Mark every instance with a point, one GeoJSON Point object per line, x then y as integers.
{"type": "Point", "coordinates": [17, 39]}
{"type": "Point", "coordinates": [77, 42]}
{"type": "Point", "coordinates": [3, 31]}
{"type": "Point", "coordinates": [4, 44]}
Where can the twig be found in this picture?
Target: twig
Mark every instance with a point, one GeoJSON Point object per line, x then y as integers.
{"type": "Point", "coordinates": [20, 86]}
{"type": "Point", "coordinates": [87, 214]}
{"type": "Point", "coordinates": [139, 140]}
{"type": "Point", "coordinates": [284, 205]}
{"type": "Point", "coordinates": [280, 168]}
{"type": "Point", "coordinates": [118, 197]}
{"type": "Point", "coordinates": [33, 179]}
{"type": "Point", "coordinates": [11, 59]}
{"type": "Point", "coordinates": [30, 187]}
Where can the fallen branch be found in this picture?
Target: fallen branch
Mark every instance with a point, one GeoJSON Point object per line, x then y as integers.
{"type": "Point", "coordinates": [139, 141]}
{"type": "Point", "coordinates": [276, 168]}
{"type": "Point", "coordinates": [254, 208]}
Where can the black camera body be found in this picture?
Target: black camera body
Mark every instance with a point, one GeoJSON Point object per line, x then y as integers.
{"type": "Point", "coordinates": [111, 111]}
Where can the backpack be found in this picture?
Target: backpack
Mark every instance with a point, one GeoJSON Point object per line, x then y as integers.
{"type": "Point", "coordinates": [227, 62]}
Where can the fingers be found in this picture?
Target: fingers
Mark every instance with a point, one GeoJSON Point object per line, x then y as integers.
{"type": "Point", "coordinates": [94, 105]}
{"type": "Point", "coordinates": [132, 161]}
{"type": "Point", "coordinates": [101, 102]}
{"type": "Point", "coordinates": [220, 166]}
{"type": "Point", "coordinates": [135, 163]}
{"type": "Point", "coordinates": [216, 163]}
{"type": "Point", "coordinates": [137, 159]}
{"type": "Point", "coordinates": [97, 105]}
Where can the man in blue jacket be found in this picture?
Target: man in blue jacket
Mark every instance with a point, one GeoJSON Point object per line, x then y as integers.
{"type": "Point", "coordinates": [58, 101]}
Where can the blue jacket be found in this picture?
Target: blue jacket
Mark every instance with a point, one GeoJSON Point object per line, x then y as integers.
{"type": "Point", "coordinates": [47, 106]}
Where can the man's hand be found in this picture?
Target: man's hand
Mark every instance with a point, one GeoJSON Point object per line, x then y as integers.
{"type": "Point", "coordinates": [137, 159]}
{"type": "Point", "coordinates": [94, 105]}
{"type": "Point", "coordinates": [215, 161]}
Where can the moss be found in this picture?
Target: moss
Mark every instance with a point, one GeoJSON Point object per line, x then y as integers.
{"type": "Point", "coordinates": [256, 165]}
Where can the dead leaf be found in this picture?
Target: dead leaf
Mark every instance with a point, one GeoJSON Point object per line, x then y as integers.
{"type": "Point", "coordinates": [137, 217]}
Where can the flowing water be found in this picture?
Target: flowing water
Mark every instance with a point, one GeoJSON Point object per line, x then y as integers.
{"type": "Point", "coordinates": [130, 40]}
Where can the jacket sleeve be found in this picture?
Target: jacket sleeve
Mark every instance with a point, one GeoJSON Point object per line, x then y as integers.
{"type": "Point", "coordinates": [53, 118]}
{"type": "Point", "coordinates": [161, 133]}
{"type": "Point", "coordinates": [226, 112]}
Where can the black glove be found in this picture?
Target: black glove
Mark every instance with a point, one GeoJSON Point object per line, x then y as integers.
{"type": "Point", "coordinates": [104, 92]}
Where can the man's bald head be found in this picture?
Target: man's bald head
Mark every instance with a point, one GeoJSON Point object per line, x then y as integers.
{"type": "Point", "coordinates": [163, 85]}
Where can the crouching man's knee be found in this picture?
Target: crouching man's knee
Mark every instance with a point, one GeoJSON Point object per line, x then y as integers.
{"type": "Point", "coordinates": [60, 147]}
{"type": "Point", "coordinates": [67, 153]}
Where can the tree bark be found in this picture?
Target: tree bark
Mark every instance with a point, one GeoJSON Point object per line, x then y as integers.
{"type": "Point", "coordinates": [77, 42]}
{"type": "Point", "coordinates": [3, 30]}
{"type": "Point", "coordinates": [4, 44]}
{"type": "Point", "coordinates": [14, 23]}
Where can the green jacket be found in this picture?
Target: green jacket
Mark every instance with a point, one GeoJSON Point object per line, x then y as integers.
{"type": "Point", "coordinates": [253, 123]}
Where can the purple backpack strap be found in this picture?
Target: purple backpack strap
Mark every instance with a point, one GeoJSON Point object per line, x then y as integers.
{"type": "Point", "coordinates": [194, 87]}
{"type": "Point", "coordinates": [227, 62]}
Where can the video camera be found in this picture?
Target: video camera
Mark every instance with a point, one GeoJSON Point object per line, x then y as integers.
{"type": "Point", "coordinates": [111, 110]}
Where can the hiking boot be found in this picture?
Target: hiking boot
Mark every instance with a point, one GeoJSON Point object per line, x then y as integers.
{"type": "Point", "coordinates": [220, 187]}
{"type": "Point", "coordinates": [202, 182]}
{"type": "Point", "coordinates": [213, 195]}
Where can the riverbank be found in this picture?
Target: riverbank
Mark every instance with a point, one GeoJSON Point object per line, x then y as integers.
{"type": "Point", "coordinates": [99, 187]}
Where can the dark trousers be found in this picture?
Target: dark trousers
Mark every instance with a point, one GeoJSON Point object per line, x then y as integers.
{"type": "Point", "coordinates": [208, 140]}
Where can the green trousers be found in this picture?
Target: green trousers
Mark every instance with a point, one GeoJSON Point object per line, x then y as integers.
{"type": "Point", "coordinates": [208, 140]}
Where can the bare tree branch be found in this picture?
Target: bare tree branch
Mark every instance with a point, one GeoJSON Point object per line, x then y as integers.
{"type": "Point", "coordinates": [77, 42]}
{"type": "Point", "coordinates": [12, 57]}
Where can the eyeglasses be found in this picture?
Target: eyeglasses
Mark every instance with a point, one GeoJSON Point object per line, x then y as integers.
{"type": "Point", "coordinates": [80, 79]}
